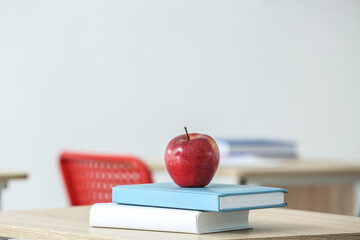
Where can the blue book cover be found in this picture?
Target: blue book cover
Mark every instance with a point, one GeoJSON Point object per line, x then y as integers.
{"type": "Point", "coordinates": [257, 142]}
{"type": "Point", "coordinates": [214, 197]}
{"type": "Point", "coordinates": [269, 148]}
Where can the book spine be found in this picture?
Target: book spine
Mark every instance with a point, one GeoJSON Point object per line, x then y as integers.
{"type": "Point", "coordinates": [202, 202]}
{"type": "Point", "coordinates": [143, 218]}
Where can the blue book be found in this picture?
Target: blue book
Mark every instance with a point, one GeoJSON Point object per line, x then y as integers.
{"type": "Point", "coordinates": [214, 197]}
{"type": "Point", "coordinates": [270, 148]}
{"type": "Point", "coordinates": [257, 142]}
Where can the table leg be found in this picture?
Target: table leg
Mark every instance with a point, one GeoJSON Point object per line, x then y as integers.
{"type": "Point", "coordinates": [357, 199]}
{"type": "Point", "coordinates": [2, 186]}
{"type": "Point", "coordinates": [243, 181]}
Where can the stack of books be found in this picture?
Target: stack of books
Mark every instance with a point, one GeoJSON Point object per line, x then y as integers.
{"type": "Point", "coordinates": [168, 207]}
{"type": "Point", "coordinates": [267, 148]}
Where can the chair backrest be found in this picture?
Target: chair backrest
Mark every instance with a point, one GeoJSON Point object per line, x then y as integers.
{"type": "Point", "coordinates": [89, 178]}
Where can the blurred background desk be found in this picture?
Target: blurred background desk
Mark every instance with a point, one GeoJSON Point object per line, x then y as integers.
{"type": "Point", "coordinates": [313, 185]}
{"type": "Point", "coordinates": [6, 175]}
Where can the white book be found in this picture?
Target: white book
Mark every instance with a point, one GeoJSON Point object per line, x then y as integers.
{"type": "Point", "coordinates": [112, 215]}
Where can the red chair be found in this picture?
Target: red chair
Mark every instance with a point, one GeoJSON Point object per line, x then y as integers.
{"type": "Point", "coordinates": [89, 178]}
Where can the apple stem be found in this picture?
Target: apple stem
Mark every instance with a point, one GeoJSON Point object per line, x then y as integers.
{"type": "Point", "coordinates": [187, 134]}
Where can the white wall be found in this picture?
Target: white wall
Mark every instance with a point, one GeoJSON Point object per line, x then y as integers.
{"type": "Point", "coordinates": [126, 76]}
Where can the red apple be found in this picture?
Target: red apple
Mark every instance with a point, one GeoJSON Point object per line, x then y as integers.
{"type": "Point", "coordinates": [192, 159]}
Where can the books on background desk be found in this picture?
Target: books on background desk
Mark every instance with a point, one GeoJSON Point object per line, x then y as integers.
{"type": "Point", "coordinates": [248, 160]}
{"type": "Point", "coordinates": [167, 207]}
{"type": "Point", "coordinates": [267, 148]}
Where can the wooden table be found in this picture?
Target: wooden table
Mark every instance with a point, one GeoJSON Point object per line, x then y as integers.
{"type": "Point", "coordinates": [73, 223]}
{"type": "Point", "coordinates": [6, 175]}
{"type": "Point", "coordinates": [313, 185]}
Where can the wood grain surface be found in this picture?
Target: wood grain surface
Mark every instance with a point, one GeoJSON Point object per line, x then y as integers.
{"type": "Point", "coordinates": [73, 223]}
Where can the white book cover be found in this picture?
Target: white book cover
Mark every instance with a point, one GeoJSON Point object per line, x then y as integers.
{"type": "Point", "coordinates": [114, 215]}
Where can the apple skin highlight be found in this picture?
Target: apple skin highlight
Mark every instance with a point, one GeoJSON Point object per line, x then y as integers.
{"type": "Point", "coordinates": [192, 162]}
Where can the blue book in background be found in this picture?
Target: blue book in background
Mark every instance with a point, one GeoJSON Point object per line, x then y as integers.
{"type": "Point", "coordinates": [214, 197]}
{"type": "Point", "coordinates": [267, 148]}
